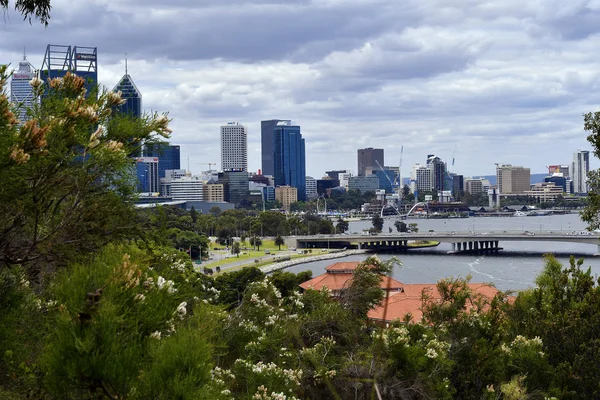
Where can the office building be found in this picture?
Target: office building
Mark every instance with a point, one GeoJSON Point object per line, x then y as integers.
{"type": "Point", "coordinates": [386, 179]}
{"type": "Point", "coordinates": [79, 60]}
{"type": "Point", "coordinates": [581, 168]}
{"type": "Point", "coordinates": [560, 181]}
{"type": "Point", "coordinates": [475, 186]}
{"type": "Point", "coordinates": [188, 188]}
{"type": "Point", "coordinates": [423, 177]}
{"type": "Point", "coordinates": [169, 156]}
{"type": "Point", "coordinates": [439, 180]}
{"type": "Point", "coordinates": [21, 92]}
{"type": "Point", "coordinates": [544, 191]}
{"type": "Point", "coordinates": [236, 185]}
{"type": "Point", "coordinates": [234, 146]}
{"type": "Point", "coordinates": [213, 192]}
{"type": "Point", "coordinates": [458, 184]}
{"type": "Point", "coordinates": [170, 175]}
{"type": "Point", "coordinates": [267, 143]}
{"type": "Point", "coordinates": [368, 159]}
{"type": "Point", "coordinates": [286, 195]}
{"type": "Point", "coordinates": [147, 174]}
{"type": "Point", "coordinates": [289, 157]}
{"type": "Point", "coordinates": [512, 179]}
{"type": "Point", "coordinates": [311, 188]}
{"type": "Point", "coordinates": [325, 186]}
{"type": "Point", "coordinates": [131, 95]}
{"type": "Point", "coordinates": [363, 183]}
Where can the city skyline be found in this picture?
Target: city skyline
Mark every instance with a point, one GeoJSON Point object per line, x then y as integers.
{"type": "Point", "coordinates": [493, 80]}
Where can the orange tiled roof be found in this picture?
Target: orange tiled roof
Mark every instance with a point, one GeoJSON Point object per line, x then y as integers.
{"type": "Point", "coordinates": [338, 276]}
{"type": "Point", "coordinates": [410, 301]}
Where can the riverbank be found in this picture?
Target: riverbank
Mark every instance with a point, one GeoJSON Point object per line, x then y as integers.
{"type": "Point", "coordinates": [267, 269]}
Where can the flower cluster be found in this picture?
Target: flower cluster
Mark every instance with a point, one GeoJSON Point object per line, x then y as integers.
{"type": "Point", "coordinates": [262, 393]}
{"type": "Point", "coordinates": [521, 343]}
{"type": "Point", "coordinates": [272, 370]}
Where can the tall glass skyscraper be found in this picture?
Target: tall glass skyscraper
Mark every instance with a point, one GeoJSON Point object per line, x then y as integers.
{"type": "Point", "coordinates": [267, 130]}
{"type": "Point", "coordinates": [21, 92]}
{"type": "Point", "coordinates": [169, 157]}
{"type": "Point", "coordinates": [131, 95]}
{"type": "Point", "coordinates": [289, 157]}
{"type": "Point", "coordinates": [81, 61]}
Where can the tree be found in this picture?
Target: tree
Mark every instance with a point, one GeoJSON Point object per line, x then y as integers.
{"type": "Point", "coordinates": [279, 241]}
{"type": "Point", "coordinates": [377, 222]}
{"type": "Point", "coordinates": [235, 248]}
{"type": "Point", "coordinates": [591, 213]}
{"type": "Point", "coordinates": [412, 227]}
{"type": "Point", "coordinates": [401, 226]}
{"type": "Point", "coordinates": [256, 241]}
{"type": "Point", "coordinates": [39, 9]}
{"type": "Point", "coordinates": [194, 214]}
{"type": "Point", "coordinates": [405, 191]}
{"type": "Point", "coordinates": [66, 192]}
{"type": "Point", "coordinates": [341, 226]}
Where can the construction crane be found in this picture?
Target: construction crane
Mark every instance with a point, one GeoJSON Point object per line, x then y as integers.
{"type": "Point", "coordinates": [386, 175]}
{"type": "Point", "coordinates": [210, 164]}
{"type": "Point", "coordinates": [400, 173]}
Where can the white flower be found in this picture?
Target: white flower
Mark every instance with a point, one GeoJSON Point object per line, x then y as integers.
{"type": "Point", "coordinates": [181, 309]}
{"type": "Point", "coordinates": [155, 335]}
{"type": "Point", "coordinates": [139, 298]}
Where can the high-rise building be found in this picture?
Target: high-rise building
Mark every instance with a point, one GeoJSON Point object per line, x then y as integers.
{"type": "Point", "coordinates": [290, 158]}
{"type": "Point", "coordinates": [559, 169]}
{"type": "Point", "coordinates": [368, 159]}
{"type": "Point", "coordinates": [131, 95]}
{"type": "Point", "coordinates": [188, 188]}
{"type": "Point", "coordinates": [581, 168]}
{"type": "Point", "coordinates": [21, 92]}
{"type": "Point", "coordinates": [512, 179]}
{"type": "Point", "coordinates": [286, 195]}
{"type": "Point", "coordinates": [234, 146]}
{"type": "Point", "coordinates": [81, 61]}
{"type": "Point", "coordinates": [236, 185]}
{"type": "Point", "coordinates": [424, 178]}
{"type": "Point", "coordinates": [437, 167]}
{"type": "Point", "coordinates": [267, 132]}
{"type": "Point", "coordinates": [147, 174]}
{"type": "Point", "coordinates": [169, 156]}
{"type": "Point", "coordinates": [311, 188]}
{"type": "Point", "coordinates": [458, 184]}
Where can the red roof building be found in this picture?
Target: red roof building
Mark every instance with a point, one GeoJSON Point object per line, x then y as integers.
{"type": "Point", "coordinates": [402, 298]}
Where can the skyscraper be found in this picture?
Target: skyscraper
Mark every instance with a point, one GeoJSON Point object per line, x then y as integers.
{"type": "Point", "coordinates": [581, 167]}
{"type": "Point", "coordinates": [438, 173]}
{"type": "Point", "coordinates": [81, 61]}
{"type": "Point", "coordinates": [368, 159]}
{"type": "Point", "coordinates": [147, 174]}
{"type": "Point", "coordinates": [234, 146]}
{"type": "Point", "coordinates": [21, 92]}
{"type": "Point", "coordinates": [131, 95]}
{"type": "Point", "coordinates": [169, 157]}
{"type": "Point", "coordinates": [511, 179]}
{"type": "Point", "coordinates": [267, 131]}
{"type": "Point", "coordinates": [289, 157]}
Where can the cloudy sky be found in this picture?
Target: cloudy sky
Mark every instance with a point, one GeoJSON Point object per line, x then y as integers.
{"type": "Point", "coordinates": [503, 81]}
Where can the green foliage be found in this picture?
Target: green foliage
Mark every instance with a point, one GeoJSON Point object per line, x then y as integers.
{"type": "Point", "coordinates": [279, 241]}
{"type": "Point", "coordinates": [110, 313]}
{"type": "Point", "coordinates": [66, 186]}
{"type": "Point", "coordinates": [341, 226]}
{"type": "Point", "coordinates": [37, 9]}
{"type": "Point", "coordinates": [377, 222]}
{"type": "Point", "coordinates": [401, 226]}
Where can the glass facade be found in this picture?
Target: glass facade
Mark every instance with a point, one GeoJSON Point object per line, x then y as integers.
{"type": "Point", "coordinates": [236, 185]}
{"type": "Point", "coordinates": [169, 157]}
{"type": "Point", "coordinates": [267, 130]}
{"type": "Point", "coordinates": [81, 61]}
{"type": "Point", "coordinates": [147, 174]}
{"type": "Point", "coordinates": [21, 92]}
{"type": "Point", "coordinates": [289, 157]}
{"type": "Point", "coordinates": [131, 95]}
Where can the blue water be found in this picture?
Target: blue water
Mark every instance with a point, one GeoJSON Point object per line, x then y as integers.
{"type": "Point", "coordinates": [514, 268]}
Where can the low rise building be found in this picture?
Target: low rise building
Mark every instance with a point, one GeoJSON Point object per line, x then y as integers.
{"type": "Point", "coordinates": [286, 195]}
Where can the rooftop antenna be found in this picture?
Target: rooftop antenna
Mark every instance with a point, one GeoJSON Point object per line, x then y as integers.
{"type": "Point", "coordinates": [125, 63]}
{"type": "Point", "coordinates": [24, 53]}
{"type": "Point", "coordinates": [188, 164]}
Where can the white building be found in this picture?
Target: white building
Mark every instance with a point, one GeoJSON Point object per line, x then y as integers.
{"type": "Point", "coordinates": [424, 178]}
{"type": "Point", "coordinates": [311, 188]}
{"type": "Point", "coordinates": [581, 167]}
{"type": "Point", "coordinates": [21, 92]}
{"type": "Point", "coordinates": [234, 146]}
{"type": "Point", "coordinates": [344, 178]}
{"type": "Point", "coordinates": [187, 188]}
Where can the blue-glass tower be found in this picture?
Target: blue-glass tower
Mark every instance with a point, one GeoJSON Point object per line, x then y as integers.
{"type": "Point", "coordinates": [131, 95]}
{"type": "Point", "coordinates": [169, 157]}
{"type": "Point", "coordinates": [81, 61]}
{"type": "Point", "coordinates": [289, 157]}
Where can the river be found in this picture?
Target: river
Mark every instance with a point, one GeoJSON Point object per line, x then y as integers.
{"type": "Point", "coordinates": [514, 268]}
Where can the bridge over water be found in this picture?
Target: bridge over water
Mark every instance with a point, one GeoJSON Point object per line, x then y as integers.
{"type": "Point", "coordinates": [460, 241]}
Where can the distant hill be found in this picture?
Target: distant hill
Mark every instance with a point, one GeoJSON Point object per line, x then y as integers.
{"type": "Point", "coordinates": [535, 178]}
